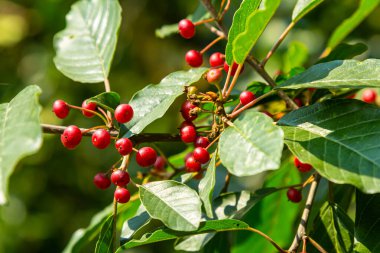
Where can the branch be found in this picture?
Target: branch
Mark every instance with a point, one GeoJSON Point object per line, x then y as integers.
{"type": "Point", "coordinates": [138, 138]}
{"type": "Point", "coordinates": [208, 5]}
{"type": "Point", "coordinates": [301, 231]}
{"type": "Point", "coordinates": [267, 238]}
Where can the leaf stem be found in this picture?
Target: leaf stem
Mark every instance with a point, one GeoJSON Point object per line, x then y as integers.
{"type": "Point", "coordinates": [267, 238]}
{"type": "Point", "coordinates": [316, 245]}
{"type": "Point", "coordinates": [114, 213]}
{"type": "Point", "coordinates": [91, 111]}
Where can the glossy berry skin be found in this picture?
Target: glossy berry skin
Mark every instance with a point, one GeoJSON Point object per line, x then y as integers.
{"type": "Point", "coordinates": [159, 164]}
{"type": "Point", "coordinates": [302, 167]}
{"type": "Point", "coordinates": [298, 102]}
{"type": "Point", "coordinates": [201, 155]}
{"type": "Point", "coordinates": [294, 195]}
{"type": "Point", "coordinates": [120, 178]}
{"type": "Point", "coordinates": [369, 96]}
{"type": "Point", "coordinates": [101, 138]}
{"type": "Point", "coordinates": [123, 113]}
{"type": "Point", "coordinates": [234, 68]}
{"type": "Point", "coordinates": [188, 134]}
{"type": "Point", "coordinates": [246, 97]}
{"type": "Point", "coordinates": [124, 146]}
{"type": "Point", "coordinates": [71, 137]}
{"type": "Point", "coordinates": [146, 156]}
{"type": "Point", "coordinates": [61, 109]}
{"type": "Point", "coordinates": [216, 59]}
{"type": "Point", "coordinates": [214, 76]}
{"type": "Point", "coordinates": [89, 106]}
{"type": "Point", "coordinates": [193, 165]}
{"type": "Point", "coordinates": [188, 156]}
{"type": "Point", "coordinates": [102, 181]}
{"type": "Point", "coordinates": [194, 58]}
{"type": "Point", "coordinates": [186, 107]}
{"type": "Point", "coordinates": [186, 123]}
{"type": "Point", "coordinates": [201, 142]}
{"type": "Point", "coordinates": [122, 195]}
{"type": "Point", "coordinates": [186, 28]}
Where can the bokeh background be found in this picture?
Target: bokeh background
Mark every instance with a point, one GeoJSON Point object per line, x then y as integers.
{"type": "Point", "coordinates": [52, 193]}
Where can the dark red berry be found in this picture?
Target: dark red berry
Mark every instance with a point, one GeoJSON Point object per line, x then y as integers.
{"type": "Point", "coordinates": [160, 163]}
{"type": "Point", "coordinates": [201, 141]}
{"type": "Point", "coordinates": [352, 96]}
{"type": "Point", "coordinates": [101, 138]}
{"type": "Point", "coordinates": [146, 156]}
{"type": "Point", "coordinates": [194, 58]}
{"type": "Point", "coordinates": [188, 155]}
{"type": "Point", "coordinates": [298, 102]}
{"type": "Point", "coordinates": [186, 108]}
{"type": "Point", "coordinates": [89, 106]}
{"type": "Point", "coordinates": [71, 137]}
{"type": "Point", "coordinates": [120, 178]}
{"type": "Point", "coordinates": [246, 97]}
{"type": "Point", "coordinates": [61, 109]}
{"type": "Point", "coordinates": [294, 195]}
{"type": "Point", "coordinates": [186, 28]}
{"type": "Point", "coordinates": [216, 59]}
{"type": "Point", "coordinates": [123, 113]}
{"type": "Point", "coordinates": [102, 181]}
{"type": "Point", "coordinates": [201, 155]}
{"type": "Point", "coordinates": [234, 68]}
{"type": "Point", "coordinates": [369, 96]}
{"type": "Point", "coordinates": [193, 165]}
{"type": "Point", "coordinates": [214, 75]}
{"type": "Point", "coordinates": [188, 134]}
{"type": "Point", "coordinates": [186, 123]}
{"type": "Point", "coordinates": [122, 195]}
{"type": "Point", "coordinates": [124, 146]}
{"type": "Point", "coordinates": [302, 167]}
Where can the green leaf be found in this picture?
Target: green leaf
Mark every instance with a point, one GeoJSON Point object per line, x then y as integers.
{"type": "Point", "coordinates": [105, 241]}
{"type": "Point", "coordinates": [367, 222]}
{"type": "Point", "coordinates": [345, 51]}
{"type": "Point", "coordinates": [295, 56]}
{"type": "Point", "coordinates": [132, 225]}
{"type": "Point", "coordinates": [340, 33]}
{"type": "Point", "coordinates": [303, 7]}
{"type": "Point", "coordinates": [206, 186]}
{"type": "Point", "coordinates": [251, 145]}
{"type": "Point", "coordinates": [85, 48]}
{"type": "Point", "coordinates": [175, 204]}
{"type": "Point", "coordinates": [238, 24]}
{"type": "Point", "coordinates": [168, 234]}
{"type": "Point", "coordinates": [254, 27]}
{"type": "Point", "coordinates": [106, 100]}
{"type": "Point", "coordinates": [337, 74]}
{"type": "Point", "coordinates": [333, 229]}
{"type": "Point", "coordinates": [20, 133]}
{"type": "Point", "coordinates": [340, 138]}
{"type": "Point", "coordinates": [153, 101]}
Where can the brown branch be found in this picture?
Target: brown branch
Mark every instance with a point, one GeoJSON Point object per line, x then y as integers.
{"type": "Point", "coordinates": [267, 238]}
{"type": "Point", "coordinates": [208, 5]}
{"type": "Point", "coordinates": [301, 231]}
{"type": "Point", "coordinates": [138, 138]}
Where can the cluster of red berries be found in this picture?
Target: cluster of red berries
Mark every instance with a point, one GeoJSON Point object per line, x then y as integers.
{"type": "Point", "coordinates": [101, 138]}
{"type": "Point", "coordinates": [293, 194]}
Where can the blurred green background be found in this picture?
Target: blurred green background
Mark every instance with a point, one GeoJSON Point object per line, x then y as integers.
{"type": "Point", "coordinates": [52, 193]}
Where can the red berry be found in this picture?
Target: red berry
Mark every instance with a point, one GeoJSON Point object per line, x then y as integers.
{"type": "Point", "coordinates": [124, 146]}
{"type": "Point", "coordinates": [71, 137]}
{"type": "Point", "coordinates": [188, 134]}
{"type": "Point", "coordinates": [122, 195]}
{"type": "Point", "coordinates": [61, 109]}
{"type": "Point", "coordinates": [193, 165]}
{"type": "Point", "coordinates": [102, 181]}
{"type": "Point", "coordinates": [298, 102]}
{"type": "Point", "coordinates": [369, 96]}
{"type": "Point", "coordinates": [246, 97]}
{"type": "Point", "coordinates": [186, 108]}
{"type": "Point", "coordinates": [216, 59]}
{"type": "Point", "coordinates": [188, 155]}
{"type": "Point", "coordinates": [302, 167]}
{"type": "Point", "coordinates": [120, 178]}
{"type": "Point", "coordinates": [101, 138]}
{"type": "Point", "coordinates": [201, 155]}
{"type": "Point", "coordinates": [294, 195]}
{"type": "Point", "coordinates": [146, 156]}
{"type": "Point", "coordinates": [186, 123]}
{"type": "Point", "coordinates": [159, 164]}
{"type": "Point", "coordinates": [194, 58]}
{"type": "Point", "coordinates": [201, 141]}
{"type": "Point", "coordinates": [234, 68]}
{"type": "Point", "coordinates": [186, 28]}
{"type": "Point", "coordinates": [214, 75]}
{"type": "Point", "coordinates": [123, 113]}
{"type": "Point", "coordinates": [89, 106]}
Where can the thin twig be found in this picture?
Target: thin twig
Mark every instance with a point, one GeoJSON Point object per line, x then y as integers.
{"type": "Point", "coordinates": [211, 44]}
{"type": "Point", "coordinates": [301, 231]}
{"type": "Point", "coordinates": [114, 213]}
{"type": "Point", "coordinates": [267, 238]}
{"type": "Point", "coordinates": [234, 80]}
{"type": "Point", "coordinates": [204, 21]}
{"type": "Point", "coordinates": [208, 5]}
{"type": "Point", "coordinates": [316, 245]}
